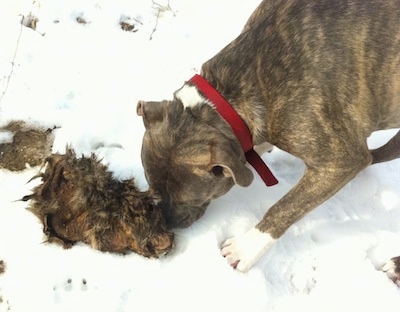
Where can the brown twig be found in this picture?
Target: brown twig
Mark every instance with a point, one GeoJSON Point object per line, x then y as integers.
{"type": "Point", "coordinates": [13, 60]}
{"type": "Point", "coordinates": [160, 9]}
{"type": "Point", "coordinates": [27, 21]}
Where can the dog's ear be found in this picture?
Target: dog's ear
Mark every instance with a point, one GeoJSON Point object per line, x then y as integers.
{"type": "Point", "coordinates": [154, 112]}
{"type": "Point", "coordinates": [225, 161]}
{"type": "Point", "coordinates": [151, 112]}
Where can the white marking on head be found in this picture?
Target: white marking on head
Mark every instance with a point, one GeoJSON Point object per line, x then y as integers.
{"type": "Point", "coordinates": [189, 96]}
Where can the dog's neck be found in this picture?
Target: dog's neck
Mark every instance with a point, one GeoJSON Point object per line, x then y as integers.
{"type": "Point", "coordinates": [198, 91]}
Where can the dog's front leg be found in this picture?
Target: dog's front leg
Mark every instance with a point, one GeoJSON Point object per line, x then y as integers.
{"type": "Point", "coordinates": [316, 186]}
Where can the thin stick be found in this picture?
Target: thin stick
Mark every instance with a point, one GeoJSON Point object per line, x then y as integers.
{"type": "Point", "coordinates": [160, 8]}
{"type": "Point", "coordinates": [13, 60]}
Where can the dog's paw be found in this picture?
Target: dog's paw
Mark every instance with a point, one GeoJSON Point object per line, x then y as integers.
{"type": "Point", "coordinates": [392, 269]}
{"type": "Point", "coordinates": [243, 251]}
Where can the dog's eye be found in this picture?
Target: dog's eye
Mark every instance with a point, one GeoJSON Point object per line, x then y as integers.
{"type": "Point", "coordinates": [217, 171]}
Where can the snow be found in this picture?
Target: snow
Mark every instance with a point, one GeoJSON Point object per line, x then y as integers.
{"type": "Point", "coordinates": [86, 79]}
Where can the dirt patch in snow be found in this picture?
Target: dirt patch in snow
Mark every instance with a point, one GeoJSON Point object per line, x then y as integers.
{"type": "Point", "coordinates": [29, 146]}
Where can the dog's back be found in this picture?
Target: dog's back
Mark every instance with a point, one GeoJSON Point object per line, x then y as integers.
{"type": "Point", "coordinates": [314, 55]}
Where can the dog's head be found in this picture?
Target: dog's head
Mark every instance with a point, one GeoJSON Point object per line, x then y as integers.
{"type": "Point", "coordinates": [190, 156]}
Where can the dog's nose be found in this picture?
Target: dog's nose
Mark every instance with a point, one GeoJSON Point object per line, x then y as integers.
{"type": "Point", "coordinates": [140, 107]}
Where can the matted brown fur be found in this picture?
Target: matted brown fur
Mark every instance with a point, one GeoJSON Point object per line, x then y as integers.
{"type": "Point", "coordinates": [79, 200]}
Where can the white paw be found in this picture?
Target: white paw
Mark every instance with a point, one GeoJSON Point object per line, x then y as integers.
{"type": "Point", "coordinates": [244, 250]}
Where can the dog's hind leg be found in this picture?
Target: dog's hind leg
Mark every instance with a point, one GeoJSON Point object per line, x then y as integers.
{"type": "Point", "coordinates": [389, 151]}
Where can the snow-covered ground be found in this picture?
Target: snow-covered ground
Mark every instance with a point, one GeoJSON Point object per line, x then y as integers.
{"type": "Point", "coordinates": [81, 72]}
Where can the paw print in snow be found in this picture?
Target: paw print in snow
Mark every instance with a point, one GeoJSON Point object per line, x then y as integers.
{"type": "Point", "coordinates": [67, 288]}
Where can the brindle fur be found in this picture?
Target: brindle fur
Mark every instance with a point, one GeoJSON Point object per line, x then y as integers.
{"type": "Point", "coordinates": [79, 200]}
{"type": "Point", "coordinates": [313, 77]}
{"type": "Point", "coordinates": [329, 76]}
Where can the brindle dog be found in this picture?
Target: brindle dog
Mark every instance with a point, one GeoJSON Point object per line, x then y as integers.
{"type": "Point", "coordinates": [312, 77]}
{"type": "Point", "coordinates": [79, 200]}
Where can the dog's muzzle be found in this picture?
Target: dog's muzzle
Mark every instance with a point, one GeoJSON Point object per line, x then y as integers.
{"type": "Point", "coordinates": [183, 216]}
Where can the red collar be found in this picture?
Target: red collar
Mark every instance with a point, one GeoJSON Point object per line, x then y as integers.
{"type": "Point", "coordinates": [238, 126]}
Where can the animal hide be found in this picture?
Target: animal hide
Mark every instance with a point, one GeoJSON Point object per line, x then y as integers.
{"type": "Point", "coordinates": [79, 200]}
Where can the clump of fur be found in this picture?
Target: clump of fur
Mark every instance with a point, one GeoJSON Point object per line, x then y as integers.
{"type": "Point", "coordinates": [79, 200]}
